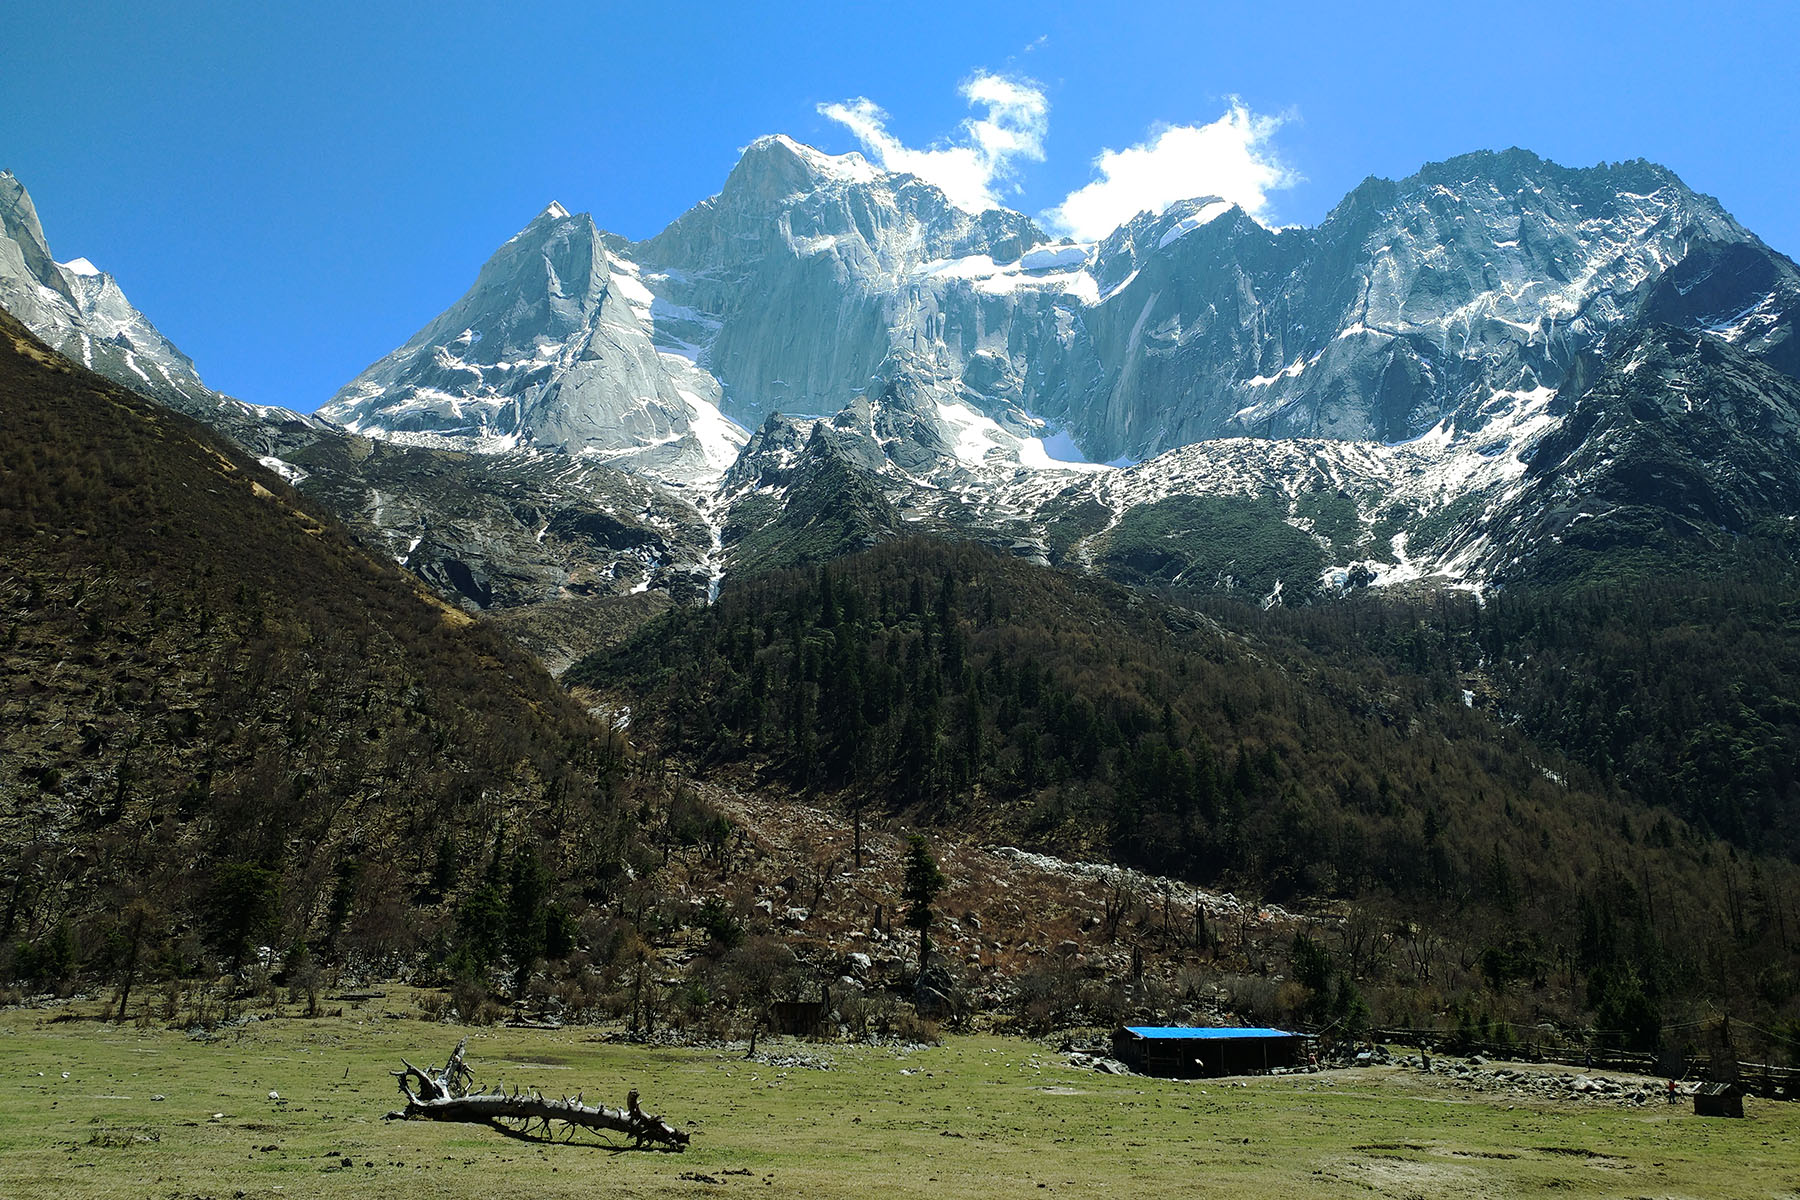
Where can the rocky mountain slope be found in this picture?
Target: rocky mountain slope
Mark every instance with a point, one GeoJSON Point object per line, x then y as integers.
{"type": "Point", "coordinates": [1677, 433]}
{"type": "Point", "coordinates": [512, 529]}
{"type": "Point", "coordinates": [1362, 403]}
{"type": "Point", "coordinates": [80, 311]}
{"type": "Point", "coordinates": [810, 276]}
{"type": "Point", "coordinates": [1383, 376]}
{"type": "Point", "coordinates": [1673, 441]}
{"type": "Point", "coordinates": [553, 347]}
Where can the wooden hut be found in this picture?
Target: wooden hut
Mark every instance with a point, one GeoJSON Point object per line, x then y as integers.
{"type": "Point", "coordinates": [1188, 1052]}
{"type": "Point", "coordinates": [1718, 1100]}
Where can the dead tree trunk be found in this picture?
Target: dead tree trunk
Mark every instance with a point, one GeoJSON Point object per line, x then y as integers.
{"type": "Point", "coordinates": [444, 1095]}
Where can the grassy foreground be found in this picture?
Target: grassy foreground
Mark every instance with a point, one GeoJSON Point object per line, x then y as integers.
{"type": "Point", "coordinates": [978, 1116]}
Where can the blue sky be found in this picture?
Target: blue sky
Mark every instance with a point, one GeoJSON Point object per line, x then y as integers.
{"type": "Point", "coordinates": [289, 191]}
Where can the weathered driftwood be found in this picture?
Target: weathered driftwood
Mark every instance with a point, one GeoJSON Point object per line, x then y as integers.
{"type": "Point", "coordinates": [442, 1094]}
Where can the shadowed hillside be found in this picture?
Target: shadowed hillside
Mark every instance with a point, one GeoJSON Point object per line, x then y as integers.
{"type": "Point", "coordinates": [223, 724]}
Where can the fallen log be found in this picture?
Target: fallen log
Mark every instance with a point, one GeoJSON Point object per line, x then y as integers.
{"type": "Point", "coordinates": [443, 1094]}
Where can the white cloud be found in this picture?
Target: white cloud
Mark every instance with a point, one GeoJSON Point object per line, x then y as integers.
{"type": "Point", "coordinates": [1232, 158]}
{"type": "Point", "coordinates": [972, 166]}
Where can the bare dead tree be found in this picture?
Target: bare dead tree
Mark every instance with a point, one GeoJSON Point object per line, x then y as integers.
{"type": "Point", "coordinates": [1119, 901]}
{"type": "Point", "coordinates": [1362, 938]}
{"type": "Point", "coordinates": [819, 862]}
{"type": "Point", "coordinates": [1422, 949]}
{"type": "Point", "coordinates": [442, 1094]}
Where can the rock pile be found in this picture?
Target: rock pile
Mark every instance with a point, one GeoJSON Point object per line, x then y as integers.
{"type": "Point", "coordinates": [1103, 1063]}
{"type": "Point", "coordinates": [1529, 1083]}
{"type": "Point", "coordinates": [794, 1060]}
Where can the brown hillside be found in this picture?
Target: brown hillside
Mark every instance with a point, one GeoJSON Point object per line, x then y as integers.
{"type": "Point", "coordinates": [215, 702]}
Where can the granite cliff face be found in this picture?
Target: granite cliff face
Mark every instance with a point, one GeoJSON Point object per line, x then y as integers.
{"type": "Point", "coordinates": [808, 274]}
{"type": "Point", "coordinates": [1383, 386]}
{"type": "Point", "coordinates": [807, 270]}
{"type": "Point", "coordinates": [813, 280]}
{"type": "Point", "coordinates": [79, 310]}
{"type": "Point", "coordinates": [553, 347]}
{"type": "Point", "coordinates": [1487, 272]}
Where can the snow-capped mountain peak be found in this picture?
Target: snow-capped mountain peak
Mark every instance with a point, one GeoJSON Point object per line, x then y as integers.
{"type": "Point", "coordinates": [778, 155]}
{"type": "Point", "coordinates": [79, 309]}
{"type": "Point", "coordinates": [553, 347]}
{"type": "Point", "coordinates": [1438, 312]}
{"type": "Point", "coordinates": [1389, 384]}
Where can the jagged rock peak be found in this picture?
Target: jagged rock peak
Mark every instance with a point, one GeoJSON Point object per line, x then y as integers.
{"type": "Point", "coordinates": [778, 157]}
{"type": "Point", "coordinates": [553, 222]}
{"type": "Point", "coordinates": [1531, 181]}
{"type": "Point", "coordinates": [81, 312]}
{"type": "Point", "coordinates": [1516, 164]}
{"type": "Point", "coordinates": [554, 347]}
{"type": "Point", "coordinates": [19, 223]}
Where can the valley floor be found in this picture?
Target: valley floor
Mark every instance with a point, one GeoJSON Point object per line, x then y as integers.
{"type": "Point", "coordinates": [99, 1110]}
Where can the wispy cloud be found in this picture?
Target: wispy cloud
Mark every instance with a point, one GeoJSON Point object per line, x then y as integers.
{"type": "Point", "coordinates": [1232, 158]}
{"type": "Point", "coordinates": [980, 159]}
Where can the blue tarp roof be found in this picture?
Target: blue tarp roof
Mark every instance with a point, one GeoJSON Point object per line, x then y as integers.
{"type": "Point", "coordinates": [1213, 1031]}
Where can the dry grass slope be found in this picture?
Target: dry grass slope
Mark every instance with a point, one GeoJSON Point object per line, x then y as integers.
{"type": "Point", "coordinates": [214, 703]}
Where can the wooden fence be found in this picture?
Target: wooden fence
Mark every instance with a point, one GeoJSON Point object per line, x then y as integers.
{"type": "Point", "coordinates": [1757, 1079]}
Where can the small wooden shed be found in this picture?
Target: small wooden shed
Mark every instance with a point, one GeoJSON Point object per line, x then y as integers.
{"type": "Point", "coordinates": [1195, 1052]}
{"type": "Point", "coordinates": [1718, 1100]}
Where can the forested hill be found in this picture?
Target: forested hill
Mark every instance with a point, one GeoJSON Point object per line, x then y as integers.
{"type": "Point", "coordinates": [223, 723]}
{"type": "Point", "coordinates": [1676, 691]}
{"type": "Point", "coordinates": [979, 692]}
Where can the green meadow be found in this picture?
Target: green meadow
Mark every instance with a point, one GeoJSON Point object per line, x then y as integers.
{"type": "Point", "coordinates": [977, 1116]}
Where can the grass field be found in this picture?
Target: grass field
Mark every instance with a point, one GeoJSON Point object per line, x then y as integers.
{"type": "Point", "coordinates": [977, 1116]}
